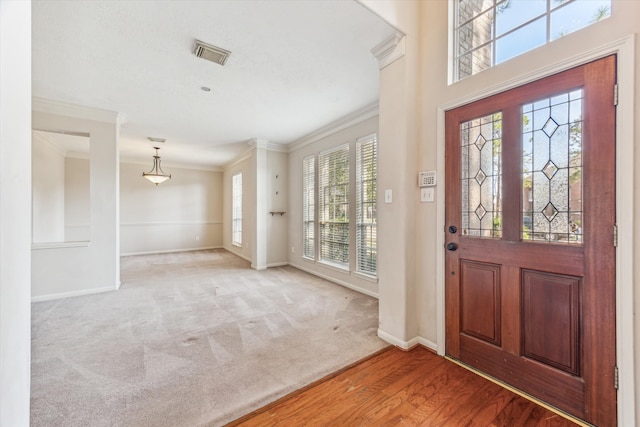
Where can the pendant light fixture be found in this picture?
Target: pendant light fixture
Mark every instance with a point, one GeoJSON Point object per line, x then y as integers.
{"type": "Point", "coordinates": [156, 174]}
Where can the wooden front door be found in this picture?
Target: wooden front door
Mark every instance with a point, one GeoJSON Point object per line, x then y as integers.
{"type": "Point", "coordinates": [530, 258]}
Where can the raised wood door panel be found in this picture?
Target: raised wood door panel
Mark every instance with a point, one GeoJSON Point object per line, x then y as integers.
{"type": "Point", "coordinates": [530, 268]}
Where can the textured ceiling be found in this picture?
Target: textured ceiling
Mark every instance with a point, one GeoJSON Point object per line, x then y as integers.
{"type": "Point", "coordinates": [295, 67]}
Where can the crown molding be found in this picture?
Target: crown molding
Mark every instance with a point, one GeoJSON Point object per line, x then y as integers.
{"type": "Point", "coordinates": [258, 143]}
{"type": "Point", "coordinates": [390, 50]}
{"type": "Point", "coordinates": [77, 111]}
{"type": "Point", "coordinates": [345, 122]}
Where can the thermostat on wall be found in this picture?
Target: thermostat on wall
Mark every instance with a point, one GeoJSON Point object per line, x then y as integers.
{"type": "Point", "coordinates": [427, 179]}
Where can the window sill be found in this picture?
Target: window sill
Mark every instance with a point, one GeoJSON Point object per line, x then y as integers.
{"type": "Point", "coordinates": [237, 245]}
{"type": "Point", "coordinates": [336, 267]}
{"type": "Point", "coordinates": [367, 277]}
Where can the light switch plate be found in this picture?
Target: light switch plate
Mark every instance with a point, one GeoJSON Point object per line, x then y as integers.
{"type": "Point", "coordinates": [427, 195]}
{"type": "Point", "coordinates": [388, 196]}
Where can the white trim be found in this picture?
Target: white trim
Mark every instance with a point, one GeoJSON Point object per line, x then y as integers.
{"type": "Point", "coordinates": [440, 237]}
{"type": "Point", "coordinates": [340, 268]}
{"type": "Point", "coordinates": [537, 74]}
{"type": "Point", "coordinates": [277, 264]}
{"type": "Point", "coordinates": [337, 281]}
{"type": "Point", "coordinates": [258, 143]}
{"type": "Point", "coordinates": [406, 345]}
{"type": "Point", "coordinates": [77, 111]}
{"type": "Point", "coordinates": [59, 245]}
{"type": "Point", "coordinates": [168, 223]}
{"type": "Point", "coordinates": [169, 251]}
{"type": "Point", "coordinates": [60, 295]}
{"type": "Point", "coordinates": [625, 128]}
{"type": "Point", "coordinates": [345, 122]}
{"type": "Point", "coordinates": [365, 276]}
{"type": "Point", "coordinates": [625, 252]}
{"type": "Point", "coordinates": [280, 148]}
{"type": "Point", "coordinates": [389, 50]}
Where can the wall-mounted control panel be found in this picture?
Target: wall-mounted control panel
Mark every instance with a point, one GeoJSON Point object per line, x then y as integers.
{"type": "Point", "coordinates": [427, 179]}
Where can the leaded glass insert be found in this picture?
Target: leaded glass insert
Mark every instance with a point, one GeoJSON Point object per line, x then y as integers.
{"type": "Point", "coordinates": [552, 168]}
{"type": "Point", "coordinates": [481, 175]}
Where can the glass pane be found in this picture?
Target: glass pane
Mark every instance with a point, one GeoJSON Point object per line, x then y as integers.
{"type": "Point", "coordinates": [473, 62]}
{"type": "Point", "coordinates": [481, 175]}
{"type": "Point", "coordinates": [475, 33]}
{"type": "Point", "coordinates": [552, 169]}
{"type": "Point", "coordinates": [521, 40]}
{"type": "Point", "coordinates": [469, 9]}
{"type": "Point", "coordinates": [576, 15]}
{"type": "Point", "coordinates": [511, 14]}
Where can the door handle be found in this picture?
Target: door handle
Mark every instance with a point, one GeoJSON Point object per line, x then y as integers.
{"type": "Point", "coordinates": [453, 229]}
{"type": "Point", "coordinates": [452, 247]}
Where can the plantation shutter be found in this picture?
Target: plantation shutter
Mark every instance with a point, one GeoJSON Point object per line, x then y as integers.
{"type": "Point", "coordinates": [308, 206]}
{"type": "Point", "coordinates": [366, 197]}
{"type": "Point", "coordinates": [333, 212]}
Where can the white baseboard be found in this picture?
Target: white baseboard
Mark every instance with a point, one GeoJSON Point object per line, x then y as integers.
{"type": "Point", "coordinates": [406, 345]}
{"type": "Point", "coordinates": [60, 295]}
{"type": "Point", "coordinates": [277, 264]}
{"type": "Point", "coordinates": [168, 251]}
{"type": "Point", "coordinates": [337, 281]}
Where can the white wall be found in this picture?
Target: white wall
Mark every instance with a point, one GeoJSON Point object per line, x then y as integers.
{"type": "Point", "coordinates": [15, 212]}
{"type": "Point", "coordinates": [277, 201]}
{"type": "Point", "coordinates": [298, 153]}
{"type": "Point", "coordinates": [77, 200]}
{"type": "Point", "coordinates": [183, 213]}
{"type": "Point", "coordinates": [48, 190]}
{"type": "Point", "coordinates": [76, 270]}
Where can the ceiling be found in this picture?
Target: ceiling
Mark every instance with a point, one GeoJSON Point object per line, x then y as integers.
{"type": "Point", "coordinates": [295, 67]}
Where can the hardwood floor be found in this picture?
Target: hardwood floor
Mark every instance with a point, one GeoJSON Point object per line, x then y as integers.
{"type": "Point", "coordinates": [404, 388]}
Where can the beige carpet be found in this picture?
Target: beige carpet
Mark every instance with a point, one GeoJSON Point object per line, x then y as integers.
{"type": "Point", "coordinates": [191, 339]}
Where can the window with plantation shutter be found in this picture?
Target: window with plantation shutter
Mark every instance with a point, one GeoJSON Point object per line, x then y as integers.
{"type": "Point", "coordinates": [333, 206]}
{"type": "Point", "coordinates": [309, 206]}
{"type": "Point", "coordinates": [236, 208]}
{"type": "Point", "coordinates": [366, 216]}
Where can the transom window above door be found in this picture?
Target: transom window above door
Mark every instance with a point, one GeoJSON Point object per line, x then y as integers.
{"type": "Point", "coordinates": [488, 32]}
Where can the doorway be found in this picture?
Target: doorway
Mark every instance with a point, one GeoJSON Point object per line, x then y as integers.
{"type": "Point", "coordinates": [530, 257]}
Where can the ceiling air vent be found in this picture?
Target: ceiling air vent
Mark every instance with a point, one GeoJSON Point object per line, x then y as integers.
{"type": "Point", "coordinates": [210, 52]}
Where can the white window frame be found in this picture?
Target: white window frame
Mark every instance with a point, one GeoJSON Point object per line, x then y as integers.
{"type": "Point", "coordinates": [309, 207]}
{"type": "Point", "coordinates": [551, 9]}
{"type": "Point", "coordinates": [236, 210]}
{"type": "Point", "coordinates": [366, 205]}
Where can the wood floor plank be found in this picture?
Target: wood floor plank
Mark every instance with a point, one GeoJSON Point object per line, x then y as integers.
{"type": "Point", "coordinates": [415, 388]}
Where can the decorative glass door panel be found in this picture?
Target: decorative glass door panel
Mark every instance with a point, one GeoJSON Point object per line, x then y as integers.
{"type": "Point", "coordinates": [481, 165]}
{"type": "Point", "coordinates": [552, 169]}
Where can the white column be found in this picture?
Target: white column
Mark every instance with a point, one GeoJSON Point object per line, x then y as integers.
{"type": "Point", "coordinates": [259, 247]}
{"type": "Point", "coordinates": [15, 212]}
{"type": "Point", "coordinates": [397, 165]}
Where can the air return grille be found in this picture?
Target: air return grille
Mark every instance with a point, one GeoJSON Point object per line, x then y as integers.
{"type": "Point", "coordinates": [210, 52]}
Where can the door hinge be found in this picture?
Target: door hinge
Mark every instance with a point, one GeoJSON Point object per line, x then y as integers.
{"type": "Point", "coordinates": [615, 235]}
{"type": "Point", "coordinates": [616, 377]}
{"type": "Point", "coordinates": [615, 94]}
